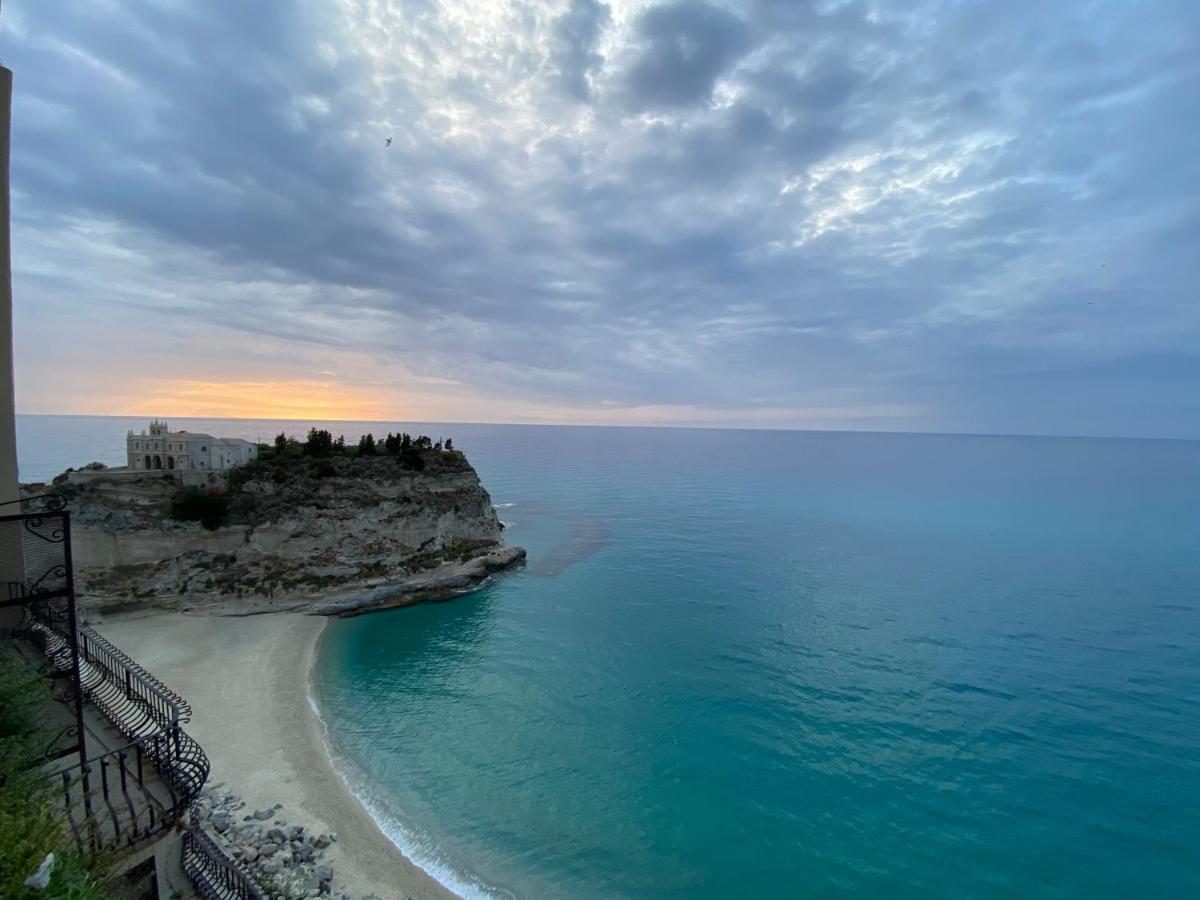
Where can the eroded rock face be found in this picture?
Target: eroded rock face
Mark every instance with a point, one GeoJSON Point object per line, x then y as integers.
{"type": "Point", "coordinates": [333, 536]}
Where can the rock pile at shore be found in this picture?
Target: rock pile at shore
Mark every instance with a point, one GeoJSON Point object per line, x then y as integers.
{"type": "Point", "coordinates": [283, 858]}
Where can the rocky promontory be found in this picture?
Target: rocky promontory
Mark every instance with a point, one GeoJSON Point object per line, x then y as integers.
{"type": "Point", "coordinates": [335, 535]}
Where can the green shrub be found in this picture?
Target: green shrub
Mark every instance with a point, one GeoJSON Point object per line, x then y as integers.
{"type": "Point", "coordinates": [29, 826]}
{"type": "Point", "coordinates": [273, 468]}
{"type": "Point", "coordinates": [410, 458]}
{"type": "Point", "coordinates": [66, 490]}
{"type": "Point", "coordinates": [193, 504]}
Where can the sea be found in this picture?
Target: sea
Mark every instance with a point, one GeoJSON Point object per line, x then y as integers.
{"type": "Point", "coordinates": [773, 664]}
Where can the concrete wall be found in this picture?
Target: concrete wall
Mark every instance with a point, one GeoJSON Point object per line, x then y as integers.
{"type": "Point", "coordinates": [12, 566]}
{"type": "Point", "coordinates": [8, 430]}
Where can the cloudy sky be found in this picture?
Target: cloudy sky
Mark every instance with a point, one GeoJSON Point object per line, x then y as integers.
{"type": "Point", "coordinates": [923, 215]}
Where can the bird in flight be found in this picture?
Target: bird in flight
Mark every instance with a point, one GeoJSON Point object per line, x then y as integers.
{"type": "Point", "coordinates": [389, 142]}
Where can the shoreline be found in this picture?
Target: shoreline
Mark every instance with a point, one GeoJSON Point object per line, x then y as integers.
{"type": "Point", "coordinates": [248, 681]}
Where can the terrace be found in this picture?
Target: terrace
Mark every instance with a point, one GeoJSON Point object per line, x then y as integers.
{"type": "Point", "coordinates": [124, 769]}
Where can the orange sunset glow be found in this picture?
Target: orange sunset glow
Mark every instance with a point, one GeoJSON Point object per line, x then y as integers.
{"type": "Point", "coordinates": [301, 399]}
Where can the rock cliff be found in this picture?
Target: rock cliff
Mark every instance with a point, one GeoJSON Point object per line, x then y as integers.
{"type": "Point", "coordinates": [330, 536]}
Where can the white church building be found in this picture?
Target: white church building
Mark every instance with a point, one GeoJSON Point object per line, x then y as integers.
{"type": "Point", "coordinates": [161, 448]}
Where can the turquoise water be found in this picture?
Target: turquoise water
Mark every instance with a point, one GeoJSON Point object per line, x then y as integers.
{"type": "Point", "coordinates": [780, 665]}
{"type": "Point", "coordinates": [748, 664]}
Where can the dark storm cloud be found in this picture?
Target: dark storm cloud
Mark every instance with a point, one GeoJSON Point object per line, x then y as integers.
{"type": "Point", "coordinates": [748, 206]}
{"type": "Point", "coordinates": [573, 53]}
{"type": "Point", "coordinates": [688, 45]}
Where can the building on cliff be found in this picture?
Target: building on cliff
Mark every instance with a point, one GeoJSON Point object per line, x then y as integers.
{"type": "Point", "coordinates": [161, 448]}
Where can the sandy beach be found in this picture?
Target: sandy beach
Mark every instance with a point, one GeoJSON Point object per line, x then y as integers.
{"type": "Point", "coordinates": [247, 681]}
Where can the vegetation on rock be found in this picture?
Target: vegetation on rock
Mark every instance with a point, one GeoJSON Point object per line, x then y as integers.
{"type": "Point", "coordinates": [193, 504]}
{"type": "Point", "coordinates": [304, 519]}
{"type": "Point", "coordinates": [29, 826]}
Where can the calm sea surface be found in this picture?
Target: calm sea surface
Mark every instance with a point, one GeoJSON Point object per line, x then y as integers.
{"type": "Point", "coordinates": [769, 664]}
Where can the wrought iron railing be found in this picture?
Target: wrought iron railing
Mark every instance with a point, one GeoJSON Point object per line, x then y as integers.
{"type": "Point", "coordinates": [214, 875]}
{"type": "Point", "coordinates": [109, 801]}
{"type": "Point", "coordinates": [129, 795]}
{"type": "Point", "coordinates": [37, 570]}
{"type": "Point", "coordinates": [112, 800]}
{"type": "Point", "coordinates": [144, 710]}
{"type": "Point", "coordinates": [126, 692]}
{"type": "Point", "coordinates": [36, 548]}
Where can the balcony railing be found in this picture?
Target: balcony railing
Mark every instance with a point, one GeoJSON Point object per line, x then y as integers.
{"type": "Point", "coordinates": [123, 797]}
{"type": "Point", "coordinates": [212, 873]}
{"type": "Point", "coordinates": [131, 698]}
{"type": "Point", "coordinates": [112, 801]}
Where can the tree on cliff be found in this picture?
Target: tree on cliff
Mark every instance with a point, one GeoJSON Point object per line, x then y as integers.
{"type": "Point", "coordinates": [449, 443]}
{"type": "Point", "coordinates": [194, 504]}
{"type": "Point", "coordinates": [319, 443]}
{"type": "Point", "coordinates": [411, 459]}
{"type": "Point", "coordinates": [366, 445]}
{"type": "Point", "coordinates": [391, 444]}
{"type": "Point", "coordinates": [280, 442]}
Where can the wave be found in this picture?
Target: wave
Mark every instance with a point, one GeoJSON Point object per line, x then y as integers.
{"type": "Point", "coordinates": [504, 505]}
{"type": "Point", "coordinates": [418, 847]}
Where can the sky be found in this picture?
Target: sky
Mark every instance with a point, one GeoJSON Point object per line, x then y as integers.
{"type": "Point", "coordinates": [930, 215]}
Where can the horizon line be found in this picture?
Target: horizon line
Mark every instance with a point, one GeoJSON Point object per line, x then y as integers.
{"type": "Point", "coordinates": [678, 427]}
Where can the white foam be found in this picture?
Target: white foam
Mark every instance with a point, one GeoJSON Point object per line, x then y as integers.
{"type": "Point", "coordinates": [504, 505]}
{"type": "Point", "coordinates": [417, 847]}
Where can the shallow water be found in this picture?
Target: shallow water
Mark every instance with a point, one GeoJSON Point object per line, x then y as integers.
{"type": "Point", "coordinates": [791, 664]}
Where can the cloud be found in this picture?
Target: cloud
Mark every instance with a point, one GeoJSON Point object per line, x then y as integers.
{"type": "Point", "coordinates": [573, 52]}
{"type": "Point", "coordinates": [740, 212]}
{"type": "Point", "coordinates": [688, 46]}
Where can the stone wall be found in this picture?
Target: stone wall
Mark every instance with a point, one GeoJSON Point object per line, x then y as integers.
{"type": "Point", "coordinates": [193, 478]}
